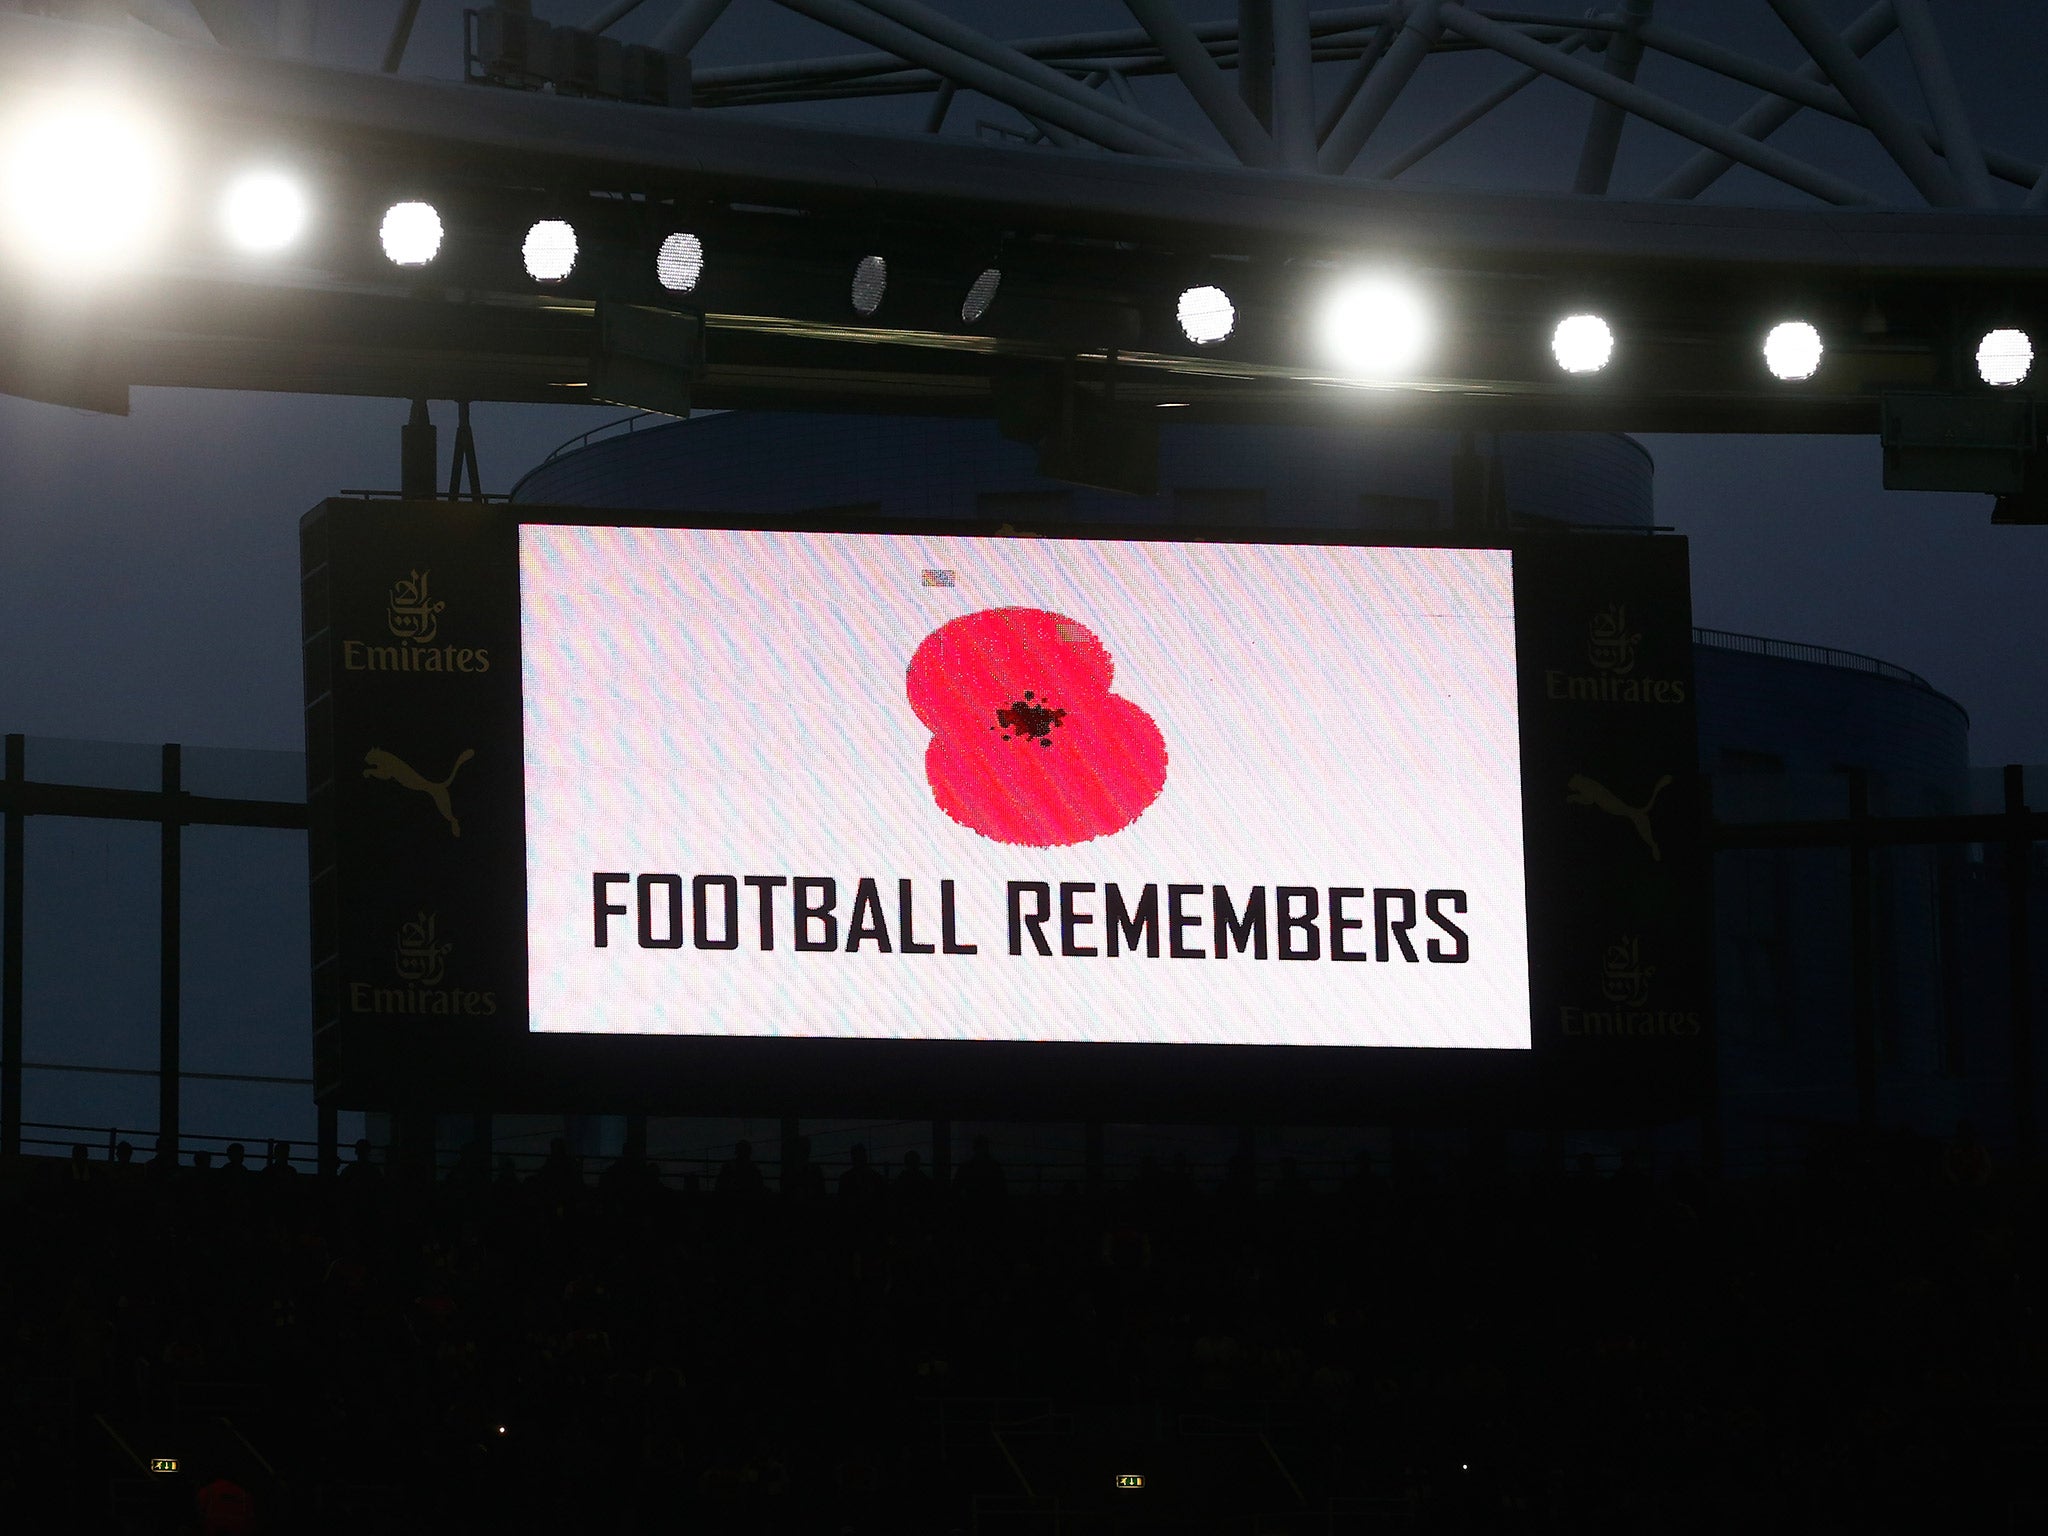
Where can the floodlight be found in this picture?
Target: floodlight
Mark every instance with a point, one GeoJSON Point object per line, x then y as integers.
{"type": "Point", "coordinates": [870, 280]}
{"type": "Point", "coordinates": [550, 250]}
{"type": "Point", "coordinates": [981, 295]}
{"type": "Point", "coordinates": [411, 233]}
{"type": "Point", "coordinates": [1582, 344]}
{"type": "Point", "coordinates": [85, 184]}
{"type": "Point", "coordinates": [263, 211]}
{"type": "Point", "coordinates": [1375, 325]}
{"type": "Point", "coordinates": [1792, 350]}
{"type": "Point", "coordinates": [2004, 357]}
{"type": "Point", "coordinates": [680, 262]}
{"type": "Point", "coordinates": [1206, 315]}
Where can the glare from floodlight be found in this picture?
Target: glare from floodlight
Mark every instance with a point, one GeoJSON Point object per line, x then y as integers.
{"type": "Point", "coordinates": [85, 184]}
{"type": "Point", "coordinates": [1792, 350]}
{"type": "Point", "coordinates": [981, 295]}
{"type": "Point", "coordinates": [1376, 326]}
{"type": "Point", "coordinates": [1582, 344]}
{"type": "Point", "coordinates": [1206, 315]}
{"type": "Point", "coordinates": [264, 211]}
{"type": "Point", "coordinates": [2004, 357]}
{"type": "Point", "coordinates": [870, 281]}
{"type": "Point", "coordinates": [680, 262]}
{"type": "Point", "coordinates": [549, 251]}
{"type": "Point", "coordinates": [411, 233]}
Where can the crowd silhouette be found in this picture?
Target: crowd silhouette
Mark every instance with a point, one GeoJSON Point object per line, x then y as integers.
{"type": "Point", "coordinates": [1862, 1345]}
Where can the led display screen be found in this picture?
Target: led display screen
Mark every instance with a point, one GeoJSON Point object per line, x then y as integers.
{"type": "Point", "coordinates": [942, 787]}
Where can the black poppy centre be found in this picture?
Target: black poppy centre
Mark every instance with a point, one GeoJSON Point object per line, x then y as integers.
{"type": "Point", "coordinates": [1024, 720]}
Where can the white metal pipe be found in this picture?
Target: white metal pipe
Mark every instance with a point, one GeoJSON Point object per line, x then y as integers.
{"type": "Point", "coordinates": [684, 30]}
{"type": "Point", "coordinates": [611, 14]}
{"type": "Point", "coordinates": [1605, 119]}
{"type": "Point", "coordinates": [1656, 109]}
{"type": "Point", "coordinates": [1938, 86]}
{"type": "Point", "coordinates": [1419, 31]}
{"type": "Point", "coordinates": [1768, 114]}
{"type": "Point", "coordinates": [1204, 80]}
{"type": "Point", "coordinates": [1430, 143]}
{"type": "Point", "coordinates": [1887, 124]}
{"type": "Point", "coordinates": [1294, 91]}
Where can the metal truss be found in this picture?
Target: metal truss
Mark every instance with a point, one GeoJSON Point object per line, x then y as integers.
{"type": "Point", "coordinates": [1263, 151]}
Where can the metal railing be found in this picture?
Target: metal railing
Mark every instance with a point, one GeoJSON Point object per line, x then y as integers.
{"type": "Point", "coordinates": [624, 426]}
{"type": "Point", "coordinates": [1819, 655]}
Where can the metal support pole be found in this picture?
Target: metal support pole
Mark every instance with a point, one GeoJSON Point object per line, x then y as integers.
{"type": "Point", "coordinates": [1775, 163]}
{"type": "Point", "coordinates": [401, 34]}
{"type": "Point", "coordinates": [1368, 109]}
{"type": "Point", "coordinates": [1603, 126]}
{"type": "Point", "coordinates": [942, 103]}
{"type": "Point", "coordinates": [1361, 70]}
{"type": "Point", "coordinates": [1771, 112]}
{"type": "Point", "coordinates": [1255, 58]}
{"type": "Point", "coordinates": [610, 15]}
{"type": "Point", "coordinates": [999, 72]}
{"type": "Point", "coordinates": [942, 1152]}
{"type": "Point", "coordinates": [1294, 91]}
{"type": "Point", "coordinates": [2019, 961]}
{"type": "Point", "coordinates": [329, 1140]}
{"type": "Point", "coordinates": [10, 952]}
{"type": "Point", "coordinates": [1887, 124]}
{"type": "Point", "coordinates": [418, 457]}
{"type": "Point", "coordinates": [1862, 952]}
{"type": "Point", "coordinates": [1430, 143]}
{"type": "Point", "coordinates": [1938, 86]}
{"type": "Point", "coordinates": [686, 29]}
{"type": "Point", "coordinates": [1203, 77]}
{"type": "Point", "coordinates": [170, 952]}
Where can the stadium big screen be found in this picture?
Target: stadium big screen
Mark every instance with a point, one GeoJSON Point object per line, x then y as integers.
{"type": "Point", "coordinates": [840, 819]}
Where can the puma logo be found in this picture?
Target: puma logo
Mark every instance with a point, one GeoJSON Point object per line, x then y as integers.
{"type": "Point", "coordinates": [388, 765]}
{"type": "Point", "coordinates": [1585, 791]}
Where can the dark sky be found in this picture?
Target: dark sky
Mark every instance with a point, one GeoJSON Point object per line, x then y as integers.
{"type": "Point", "coordinates": [147, 564]}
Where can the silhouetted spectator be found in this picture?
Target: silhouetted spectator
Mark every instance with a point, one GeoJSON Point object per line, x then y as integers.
{"type": "Point", "coordinates": [860, 1186]}
{"type": "Point", "coordinates": [361, 1170]}
{"type": "Point", "coordinates": [740, 1175]}
{"type": "Point", "coordinates": [558, 1170]}
{"type": "Point", "coordinates": [802, 1180]}
{"type": "Point", "coordinates": [911, 1191]}
{"type": "Point", "coordinates": [81, 1164]}
{"type": "Point", "coordinates": [277, 1162]}
{"type": "Point", "coordinates": [124, 1154]}
{"type": "Point", "coordinates": [202, 1162]}
{"type": "Point", "coordinates": [238, 1160]}
{"type": "Point", "coordinates": [980, 1182]}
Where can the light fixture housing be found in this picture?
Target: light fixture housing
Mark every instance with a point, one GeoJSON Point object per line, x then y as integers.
{"type": "Point", "coordinates": [549, 250]}
{"type": "Point", "coordinates": [1206, 315]}
{"type": "Point", "coordinates": [1792, 350]}
{"type": "Point", "coordinates": [980, 295]}
{"type": "Point", "coordinates": [2005, 357]}
{"type": "Point", "coordinates": [411, 233]}
{"type": "Point", "coordinates": [1376, 326]}
{"type": "Point", "coordinates": [1582, 343]}
{"type": "Point", "coordinates": [870, 282]}
{"type": "Point", "coordinates": [263, 212]}
{"type": "Point", "coordinates": [679, 264]}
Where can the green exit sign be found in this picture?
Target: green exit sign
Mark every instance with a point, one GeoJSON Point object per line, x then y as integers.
{"type": "Point", "coordinates": [163, 1463]}
{"type": "Point", "coordinates": [1129, 1480]}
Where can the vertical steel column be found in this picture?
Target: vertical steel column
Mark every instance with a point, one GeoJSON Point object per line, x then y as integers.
{"type": "Point", "coordinates": [1945, 101]}
{"type": "Point", "coordinates": [1603, 127]}
{"type": "Point", "coordinates": [10, 963]}
{"type": "Point", "coordinates": [170, 946]}
{"type": "Point", "coordinates": [1419, 32]}
{"type": "Point", "coordinates": [942, 1152]}
{"type": "Point", "coordinates": [1862, 958]}
{"type": "Point", "coordinates": [1294, 92]}
{"type": "Point", "coordinates": [329, 1141]}
{"type": "Point", "coordinates": [1255, 58]}
{"type": "Point", "coordinates": [2019, 858]}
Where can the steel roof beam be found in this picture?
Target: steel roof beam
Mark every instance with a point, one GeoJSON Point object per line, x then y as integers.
{"type": "Point", "coordinates": [1770, 113]}
{"type": "Point", "coordinates": [1204, 81]}
{"type": "Point", "coordinates": [1431, 142]}
{"type": "Point", "coordinates": [1420, 27]}
{"type": "Point", "coordinates": [1605, 119]}
{"type": "Point", "coordinates": [1653, 108]}
{"type": "Point", "coordinates": [1938, 86]}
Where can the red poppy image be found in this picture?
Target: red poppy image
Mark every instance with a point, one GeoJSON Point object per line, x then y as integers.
{"type": "Point", "coordinates": [1028, 745]}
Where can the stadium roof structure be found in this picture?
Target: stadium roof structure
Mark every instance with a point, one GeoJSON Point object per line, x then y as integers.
{"type": "Point", "coordinates": [1088, 215]}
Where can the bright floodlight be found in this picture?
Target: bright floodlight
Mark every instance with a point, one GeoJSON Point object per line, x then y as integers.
{"type": "Point", "coordinates": [2004, 357]}
{"type": "Point", "coordinates": [1792, 350]}
{"type": "Point", "coordinates": [1375, 325]}
{"type": "Point", "coordinates": [870, 280]}
{"type": "Point", "coordinates": [411, 233]}
{"type": "Point", "coordinates": [679, 262]}
{"type": "Point", "coordinates": [550, 251]}
{"type": "Point", "coordinates": [1582, 344]}
{"type": "Point", "coordinates": [980, 295]}
{"type": "Point", "coordinates": [1206, 315]}
{"type": "Point", "coordinates": [264, 211]}
{"type": "Point", "coordinates": [85, 185]}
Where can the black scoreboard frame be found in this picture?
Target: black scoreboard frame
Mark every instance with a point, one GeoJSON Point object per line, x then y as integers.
{"type": "Point", "coordinates": [411, 644]}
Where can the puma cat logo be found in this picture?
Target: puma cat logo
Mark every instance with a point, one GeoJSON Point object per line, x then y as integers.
{"type": "Point", "coordinates": [388, 765]}
{"type": "Point", "coordinates": [1585, 791]}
